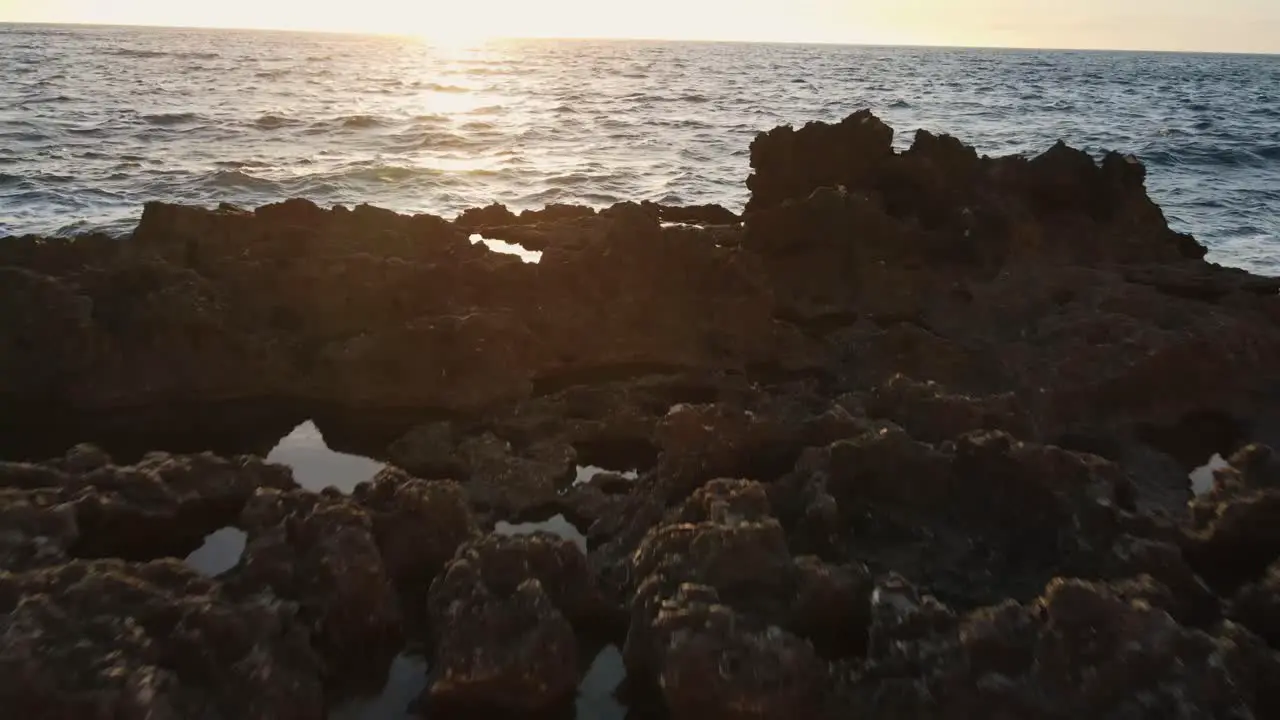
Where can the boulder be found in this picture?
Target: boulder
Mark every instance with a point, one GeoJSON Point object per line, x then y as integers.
{"type": "Point", "coordinates": [106, 639]}
{"type": "Point", "coordinates": [504, 615]}
{"type": "Point", "coordinates": [716, 663]}
{"type": "Point", "coordinates": [1257, 606]}
{"type": "Point", "coordinates": [1081, 650]}
{"type": "Point", "coordinates": [320, 552]}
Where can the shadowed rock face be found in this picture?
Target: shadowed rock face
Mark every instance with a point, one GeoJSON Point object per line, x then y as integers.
{"type": "Point", "coordinates": [911, 438]}
{"type": "Point", "coordinates": [109, 639]}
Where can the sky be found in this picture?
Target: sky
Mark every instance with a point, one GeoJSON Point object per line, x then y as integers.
{"type": "Point", "coordinates": [1187, 25]}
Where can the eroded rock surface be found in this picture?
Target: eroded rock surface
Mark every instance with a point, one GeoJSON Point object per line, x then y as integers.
{"type": "Point", "coordinates": [1080, 650]}
{"type": "Point", "coordinates": [320, 552]}
{"type": "Point", "coordinates": [83, 505]}
{"type": "Point", "coordinates": [503, 615]}
{"type": "Point", "coordinates": [106, 639]}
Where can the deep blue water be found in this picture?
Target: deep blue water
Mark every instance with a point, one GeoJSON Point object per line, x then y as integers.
{"type": "Point", "coordinates": [96, 121]}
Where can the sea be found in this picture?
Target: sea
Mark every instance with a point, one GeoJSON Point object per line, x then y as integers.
{"type": "Point", "coordinates": [95, 121]}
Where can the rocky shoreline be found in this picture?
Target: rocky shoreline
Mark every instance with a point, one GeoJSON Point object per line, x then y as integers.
{"type": "Point", "coordinates": [911, 436]}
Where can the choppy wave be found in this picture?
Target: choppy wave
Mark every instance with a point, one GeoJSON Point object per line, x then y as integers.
{"type": "Point", "coordinates": [99, 119]}
{"type": "Point", "coordinates": [174, 118]}
{"type": "Point", "coordinates": [271, 121]}
{"type": "Point", "coordinates": [362, 121]}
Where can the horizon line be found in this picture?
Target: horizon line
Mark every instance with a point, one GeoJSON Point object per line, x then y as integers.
{"type": "Point", "coordinates": [484, 40]}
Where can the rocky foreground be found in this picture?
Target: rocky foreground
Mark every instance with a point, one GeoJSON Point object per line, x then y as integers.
{"type": "Point", "coordinates": [913, 435]}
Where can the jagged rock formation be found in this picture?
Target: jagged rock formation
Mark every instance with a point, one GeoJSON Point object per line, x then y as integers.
{"type": "Point", "coordinates": [910, 438]}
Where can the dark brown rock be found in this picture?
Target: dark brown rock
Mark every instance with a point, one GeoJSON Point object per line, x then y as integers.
{"type": "Point", "coordinates": [320, 552]}
{"type": "Point", "coordinates": [106, 639]}
{"type": "Point", "coordinates": [503, 616]}
{"type": "Point", "coordinates": [930, 413]}
{"type": "Point", "coordinates": [513, 652]}
{"type": "Point", "coordinates": [723, 538]}
{"type": "Point", "coordinates": [510, 484]}
{"type": "Point", "coordinates": [976, 520]}
{"type": "Point", "coordinates": [162, 506]}
{"type": "Point", "coordinates": [693, 214]}
{"type": "Point", "coordinates": [38, 528]}
{"type": "Point", "coordinates": [419, 524]}
{"type": "Point", "coordinates": [717, 664]}
{"type": "Point", "coordinates": [703, 442]}
{"type": "Point", "coordinates": [1257, 606]}
{"type": "Point", "coordinates": [1082, 650]}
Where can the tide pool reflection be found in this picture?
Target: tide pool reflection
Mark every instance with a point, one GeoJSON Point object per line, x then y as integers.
{"type": "Point", "coordinates": [315, 466]}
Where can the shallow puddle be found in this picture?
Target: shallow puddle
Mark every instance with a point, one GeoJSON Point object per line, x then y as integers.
{"type": "Point", "coordinates": [405, 683]}
{"type": "Point", "coordinates": [556, 525]}
{"type": "Point", "coordinates": [1202, 477]}
{"type": "Point", "coordinates": [596, 700]}
{"type": "Point", "coordinates": [502, 246]}
{"type": "Point", "coordinates": [586, 472]}
{"type": "Point", "coordinates": [315, 466]}
{"type": "Point", "coordinates": [221, 552]}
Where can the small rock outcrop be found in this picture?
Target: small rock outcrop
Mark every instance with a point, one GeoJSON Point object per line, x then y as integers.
{"type": "Point", "coordinates": [109, 639]}
{"type": "Point", "coordinates": [503, 615]}
{"type": "Point", "coordinates": [83, 505]}
{"type": "Point", "coordinates": [1080, 650]}
{"type": "Point", "coordinates": [320, 552]}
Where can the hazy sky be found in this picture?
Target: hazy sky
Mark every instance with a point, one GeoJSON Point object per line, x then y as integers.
{"type": "Point", "coordinates": [1228, 25]}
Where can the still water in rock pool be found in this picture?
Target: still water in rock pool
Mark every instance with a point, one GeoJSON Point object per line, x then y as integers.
{"type": "Point", "coordinates": [315, 466]}
{"type": "Point", "coordinates": [1202, 477]}
{"type": "Point", "coordinates": [221, 552]}
{"type": "Point", "coordinates": [596, 699]}
{"type": "Point", "coordinates": [587, 472]}
{"type": "Point", "coordinates": [556, 525]}
{"type": "Point", "coordinates": [506, 248]}
{"type": "Point", "coordinates": [405, 683]}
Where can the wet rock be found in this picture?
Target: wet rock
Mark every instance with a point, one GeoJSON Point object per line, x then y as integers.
{"type": "Point", "coordinates": [209, 305]}
{"type": "Point", "coordinates": [429, 451]}
{"type": "Point", "coordinates": [1234, 540]}
{"type": "Point", "coordinates": [717, 663]}
{"type": "Point", "coordinates": [495, 214]}
{"type": "Point", "coordinates": [929, 413]}
{"type": "Point", "coordinates": [162, 506]}
{"type": "Point", "coordinates": [976, 520]}
{"type": "Point", "coordinates": [320, 551]}
{"type": "Point", "coordinates": [37, 529]}
{"type": "Point", "coordinates": [503, 616]}
{"type": "Point", "coordinates": [108, 639]}
{"type": "Point", "coordinates": [419, 524]}
{"type": "Point", "coordinates": [1257, 606]}
{"type": "Point", "coordinates": [693, 214]}
{"type": "Point", "coordinates": [1190, 601]}
{"type": "Point", "coordinates": [703, 442]}
{"type": "Point", "coordinates": [509, 483]}
{"type": "Point", "coordinates": [791, 163]}
{"type": "Point", "coordinates": [510, 652]}
{"type": "Point", "coordinates": [1253, 467]}
{"type": "Point", "coordinates": [723, 538]}
{"type": "Point", "coordinates": [45, 332]}
{"type": "Point", "coordinates": [1159, 480]}
{"type": "Point", "coordinates": [1081, 650]}
{"type": "Point", "coordinates": [496, 477]}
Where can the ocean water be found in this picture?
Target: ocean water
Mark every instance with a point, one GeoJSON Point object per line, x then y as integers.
{"type": "Point", "coordinates": [96, 121]}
